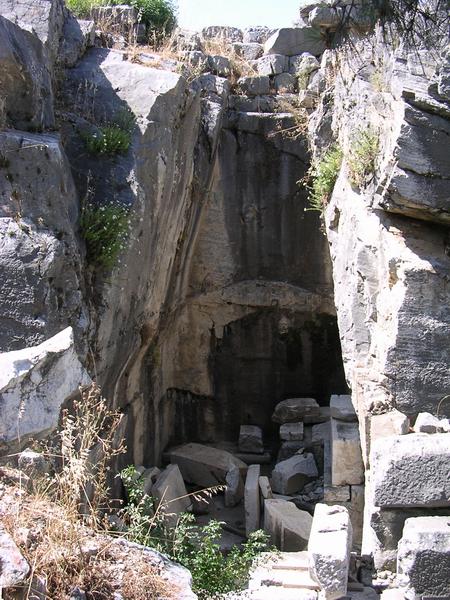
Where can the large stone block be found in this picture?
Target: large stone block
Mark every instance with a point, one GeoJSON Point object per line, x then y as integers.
{"type": "Point", "coordinates": [288, 527]}
{"type": "Point", "coordinates": [423, 559]}
{"type": "Point", "coordinates": [346, 458]}
{"type": "Point", "coordinates": [329, 549]}
{"type": "Point", "coordinates": [411, 471]}
{"type": "Point", "coordinates": [227, 34]}
{"type": "Point", "coordinates": [170, 492]}
{"type": "Point", "coordinates": [271, 64]}
{"type": "Point", "coordinates": [203, 465]}
{"type": "Point", "coordinates": [34, 383]}
{"type": "Point", "coordinates": [295, 409]}
{"type": "Point", "coordinates": [391, 423]}
{"type": "Point", "coordinates": [254, 86]}
{"type": "Point", "coordinates": [341, 408]}
{"type": "Point", "coordinates": [25, 79]}
{"type": "Point", "coordinates": [292, 41]}
{"type": "Point", "coordinates": [289, 476]}
{"type": "Point", "coordinates": [252, 503]}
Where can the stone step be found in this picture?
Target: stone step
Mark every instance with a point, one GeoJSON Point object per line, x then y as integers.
{"type": "Point", "coordinates": [279, 593]}
{"type": "Point", "coordinates": [266, 577]}
{"type": "Point", "coordinates": [293, 561]}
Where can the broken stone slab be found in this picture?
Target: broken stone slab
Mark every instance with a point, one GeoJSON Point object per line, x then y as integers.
{"type": "Point", "coordinates": [265, 488]}
{"type": "Point", "coordinates": [295, 409]}
{"type": "Point", "coordinates": [292, 41]}
{"type": "Point", "coordinates": [428, 423]}
{"type": "Point", "coordinates": [251, 439]}
{"type": "Point", "coordinates": [285, 83]}
{"type": "Point", "coordinates": [289, 528]}
{"type": "Point", "coordinates": [289, 449]}
{"type": "Point", "coordinates": [411, 470]}
{"type": "Point", "coordinates": [254, 86]}
{"type": "Point", "coordinates": [387, 424]}
{"type": "Point", "coordinates": [423, 561]}
{"type": "Point", "coordinates": [291, 432]}
{"type": "Point", "coordinates": [271, 64]}
{"type": "Point", "coordinates": [234, 491]}
{"type": "Point", "coordinates": [346, 457]}
{"type": "Point", "coordinates": [204, 465]}
{"type": "Point", "coordinates": [14, 567]}
{"type": "Point", "coordinates": [341, 408]}
{"type": "Point", "coordinates": [34, 383]}
{"type": "Point", "coordinates": [289, 476]}
{"type": "Point", "coordinates": [150, 476]}
{"type": "Point", "coordinates": [170, 493]}
{"type": "Point", "coordinates": [329, 549]}
{"type": "Point", "coordinates": [252, 500]}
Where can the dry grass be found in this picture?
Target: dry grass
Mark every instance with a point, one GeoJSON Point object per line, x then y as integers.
{"type": "Point", "coordinates": [298, 114]}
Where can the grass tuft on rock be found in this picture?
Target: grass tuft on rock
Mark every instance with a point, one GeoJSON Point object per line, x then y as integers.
{"type": "Point", "coordinates": [324, 176]}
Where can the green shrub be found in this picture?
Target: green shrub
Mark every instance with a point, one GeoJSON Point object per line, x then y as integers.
{"type": "Point", "coordinates": [158, 16]}
{"type": "Point", "coordinates": [109, 139]}
{"type": "Point", "coordinates": [324, 176]}
{"type": "Point", "coordinates": [362, 157]}
{"type": "Point", "coordinates": [196, 548]}
{"type": "Point", "coordinates": [105, 230]}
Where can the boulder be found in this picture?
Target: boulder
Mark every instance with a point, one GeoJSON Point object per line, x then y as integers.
{"type": "Point", "coordinates": [427, 423]}
{"type": "Point", "coordinates": [303, 65]}
{"type": "Point", "coordinates": [411, 471]}
{"type": "Point", "coordinates": [391, 423]}
{"type": "Point", "coordinates": [251, 439]}
{"type": "Point", "coordinates": [219, 65]}
{"type": "Point", "coordinates": [292, 41]}
{"type": "Point", "coordinates": [227, 34]}
{"type": "Point", "coordinates": [289, 476]}
{"type": "Point", "coordinates": [197, 59]}
{"type": "Point", "coordinates": [170, 493]}
{"type": "Point", "coordinates": [295, 409]}
{"type": "Point", "coordinates": [289, 528]}
{"type": "Point", "coordinates": [285, 83]}
{"type": "Point", "coordinates": [423, 561]}
{"type": "Point", "coordinates": [33, 463]}
{"type": "Point", "coordinates": [78, 36]}
{"type": "Point", "coordinates": [328, 17]}
{"type": "Point", "coordinates": [254, 86]}
{"type": "Point", "coordinates": [258, 35]}
{"type": "Point", "coordinates": [14, 567]}
{"type": "Point", "coordinates": [234, 491]}
{"type": "Point", "coordinates": [290, 432]}
{"type": "Point", "coordinates": [25, 78]}
{"type": "Point", "coordinates": [120, 18]}
{"type": "Point", "coordinates": [203, 465]}
{"type": "Point", "coordinates": [346, 457]}
{"type": "Point", "coordinates": [271, 64]}
{"type": "Point", "coordinates": [34, 383]}
{"type": "Point", "coordinates": [341, 408]}
{"type": "Point", "coordinates": [252, 499]}
{"type": "Point", "coordinates": [248, 51]}
{"type": "Point", "coordinates": [329, 548]}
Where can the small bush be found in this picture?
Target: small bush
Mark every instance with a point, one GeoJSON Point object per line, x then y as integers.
{"type": "Point", "coordinates": [362, 157]}
{"type": "Point", "coordinates": [159, 16]}
{"type": "Point", "coordinates": [105, 230]}
{"type": "Point", "coordinates": [109, 140]}
{"type": "Point", "coordinates": [324, 177]}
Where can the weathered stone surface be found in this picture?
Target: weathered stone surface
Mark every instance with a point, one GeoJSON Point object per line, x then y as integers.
{"type": "Point", "coordinates": [229, 34]}
{"type": "Point", "coordinates": [290, 432]}
{"type": "Point", "coordinates": [120, 18]}
{"type": "Point", "coordinates": [271, 64]}
{"type": "Point", "coordinates": [294, 41]}
{"type": "Point", "coordinates": [288, 449]}
{"type": "Point", "coordinates": [391, 423]}
{"type": "Point", "coordinates": [171, 495]}
{"type": "Point", "coordinates": [285, 83]}
{"type": "Point", "coordinates": [251, 439]}
{"type": "Point", "coordinates": [325, 16]}
{"type": "Point", "coordinates": [346, 458]}
{"type": "Point", "coordinates": [204, 465]}
{"type": "Point", "coordinates": [249, 51]}
{"type": "Point", "coordinates": [341, 408]}
{"type": "Point", "coordinates": [196, 58]}
{"type": "Point", "coordinates": [411, 470]}
{"type": "Point", "coordinates": [234, 491]}
{"type": "Point", "coordinates": [424, 557]}
{"type": "Point", "coordinates": [289, 476]}
{"type": "Point", "coordinates": [78, 36]}
{"type": "Point", "coordinates": [303, 65]}
{"type": "Point", "coordinates": [34, 383]}
{"type": "Point", "coordinates": [14, 567]}
{"type": "Point", "coordinates": [329, 549]}
{"type": "Point", "coordinates": [427, 423]}
{"type": "Point", "coordinates": [265, 488]}
{"type": "Point", "coordinates": [24, 78]}
{"type": "Point", "coordinates": [307, 99]}
{"type": "Point", "coordinates": [254, 86]}
{"type": "Point", "coordinates": [150, 476]}
{"type": "Point", "coordinates": [252, 504]}
{"type": "Point", "coordinates": [33, 463]}
{"type": "Point", "coordinates": [295, 409]}
{"type": "Point", "coordinates": [321, 432]}
{"type": "Point", "coordinates": [220, 65]}
{"type": "Point", "coordinates": [288, 527]}
{"type": "Point", "coordinates": [257, 35]}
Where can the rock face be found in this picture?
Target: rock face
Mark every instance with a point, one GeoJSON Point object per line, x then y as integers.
{"type": "Point", "coordinates": [34, 383]}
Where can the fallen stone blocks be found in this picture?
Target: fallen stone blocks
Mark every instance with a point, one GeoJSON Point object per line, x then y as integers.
{"type": "Point", "coordinates": [252, 499]}
{"type": "Point", "coordinates": [346, 457]}
{"type": "Point", "coordinates": [329, 548]}
{"type": "Point", "coordinates": [289, 528]}
{"type": "Point", "coordinates": [170, 493]}
{"type": "Point", "coordinates": [251, 439]}
{"type": "Point", "coordinates": [289, 476]}
{"type": "Point", "coordinates": [293, 410]}
{"type": "Point", "coordinates": [391, 423]}
{"type": "Point", "coordinates": [423, 560]}
{"type": "Point", "coordinates": [203, 465]}
{"type": "Point", "coordinates": [234, 491]}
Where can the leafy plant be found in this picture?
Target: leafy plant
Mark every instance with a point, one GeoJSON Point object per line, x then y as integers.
{"type": "Point", "coordinates": [363, 155]}
{"type": "Point", "coordinates": [197, 548]}
{"type": "Point", "coordinates": [324, 176]}
{"type": "Point", "coordinates": [105, 230]}
{"type": "Point", "coordinates": [110, 139]}
{"type": "Point", "coordinates": [157, 15]}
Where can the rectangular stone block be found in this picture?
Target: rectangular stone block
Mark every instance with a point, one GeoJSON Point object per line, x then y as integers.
{"type": "Point", "coordinates": [391, 423]}
{"type": "Point", "coordinates": [341, 408]}
{"type": "Point", "coordinates": [252, 500]}
{"type": "Point", "coordinates": [411, 470]}
{"type": "Point", "coordinates": [346, 458]}
{"type": "Point", "coordinates": [288, 526]}
{"type": "Point", "coordinates": [291, 432]}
